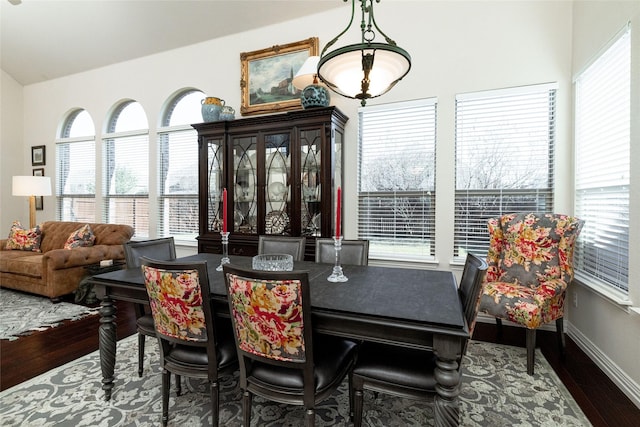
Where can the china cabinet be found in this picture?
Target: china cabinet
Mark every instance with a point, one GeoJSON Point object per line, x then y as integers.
{"type": "Point", "coordinates": [280, 173]}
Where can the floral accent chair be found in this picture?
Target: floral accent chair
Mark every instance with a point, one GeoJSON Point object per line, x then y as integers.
{"type": "Point", "coordinates": [159, 249]}
{"type": "Point", "coordinates": [530, 262]}
{"type": "Point", "coordinates": [280, 357]}
{"type": "Point", "coordinates": [192, 343]}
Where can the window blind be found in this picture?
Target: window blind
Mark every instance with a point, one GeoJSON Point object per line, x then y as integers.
{"type": "Point", "coordinates": [504, 145]}
{"type": "Point", "coordinates": [126, 169]}
{"type": "Point", "coordinates": [178, 201]}
{"type": "Point", "coordinates": [396, 179]}
{"type": "Point", "coordinates": [76, 169]}
{"type": "Point", "coordinates": [178, 167]}
{"type": "Point", "coordinates": [603, 135]}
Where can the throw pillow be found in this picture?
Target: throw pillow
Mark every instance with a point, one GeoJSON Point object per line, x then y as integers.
{"type": "Point", "coordinates": [22, 239]}
{"type": "Point", "coordinates": [83, 237]}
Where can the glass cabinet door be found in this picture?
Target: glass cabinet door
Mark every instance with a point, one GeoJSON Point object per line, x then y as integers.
{"type": "Point", "coordinates": [310, 167]}
{"type": "Point", "coordinates": [245, 196]}
{"type": "Point", "coordinates": [215, 177]}
{"type": "Point", "coordinates": [277, 189]}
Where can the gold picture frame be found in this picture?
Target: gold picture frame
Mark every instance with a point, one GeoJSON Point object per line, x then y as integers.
{"type": "Point", "coordinates": [266, 77]}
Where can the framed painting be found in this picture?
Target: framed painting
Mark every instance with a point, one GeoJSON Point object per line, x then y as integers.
{"type": "Point", "coordinates": [39, 199]}
{"type": "Point", "coordinates": [38, 155]}
{"type": "Point", "coordinates": [267, 74]}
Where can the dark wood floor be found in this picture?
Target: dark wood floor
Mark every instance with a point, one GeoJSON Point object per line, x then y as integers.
{"type": "Point", "coordinates": [601, 401]}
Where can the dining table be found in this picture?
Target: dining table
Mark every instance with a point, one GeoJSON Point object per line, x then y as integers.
{"type": "Point", "coordinates": [410, 307]}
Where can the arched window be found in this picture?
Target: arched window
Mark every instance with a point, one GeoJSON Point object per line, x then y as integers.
{"type": "Point", "coordinates": [76, 168]}
{"type": "Point", "coordinates": [178, 167]}
{"type": "Point", "coordinates": [126, 168]}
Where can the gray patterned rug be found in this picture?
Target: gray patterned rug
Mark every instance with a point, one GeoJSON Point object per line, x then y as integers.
{"type": "Point", "coordinates": [22, 313]}
{"type": "Point", "coordinates": [496, 391]}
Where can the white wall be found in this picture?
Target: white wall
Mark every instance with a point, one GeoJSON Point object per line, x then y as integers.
{"type": "Point", "coordinates": [13, 153]}
{"type": "Point", "coordinates": [610, 333]}
{"type": "Point", "coordinates": [456, 47]}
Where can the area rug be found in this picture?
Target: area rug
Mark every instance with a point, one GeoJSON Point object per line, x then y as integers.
{"type": "Point", "coordinates": [496, 391]}
{"type": "Point", "coordinates": [22, 313]}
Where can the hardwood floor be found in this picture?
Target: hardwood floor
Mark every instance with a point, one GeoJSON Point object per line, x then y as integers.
{"type": "Point", "coordinates": [602, 402]}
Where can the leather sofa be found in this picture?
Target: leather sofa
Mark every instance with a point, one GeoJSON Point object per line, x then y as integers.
{"type": "Point", "coordinates": [56, 271]}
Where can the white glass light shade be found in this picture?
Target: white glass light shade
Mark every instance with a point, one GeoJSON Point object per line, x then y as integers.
{"type": "Point", "coordinates": [343, 72]}
{"type": "Point", "coordinates": [31, 186]}
{"type": "Point", "coordinates": [307, 73]}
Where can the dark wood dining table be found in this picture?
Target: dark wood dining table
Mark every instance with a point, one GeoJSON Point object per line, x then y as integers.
{"type": "Point", "coordinates": [418, 308]}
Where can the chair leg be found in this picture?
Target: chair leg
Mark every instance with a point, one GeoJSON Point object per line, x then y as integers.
{"type": "Point", "coordinates": [560, 333]}
{"type": "Point", "coordinates": [141, 340]}
{"type": "Point", "coordinates": [166, 384]}
{"type": "Point", "coordinates": [178, 385]}
{"type": "Point", "coordinates": [351, 396]}
{"type": "Point", "coordinates": [214, 403]}
{"type": "Point", "coordinates": [246, 408]}
{"type": "Point", "coordinates": [358, 397]}
{"type": "Point", "coordinates": [531, 350]}
{"type": "Point", "coordinates": [310, 417]}
{"type": "Point", "coordinates": [499, 327]}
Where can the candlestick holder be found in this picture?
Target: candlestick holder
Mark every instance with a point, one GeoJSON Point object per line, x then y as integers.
{"type": "Point", "coordinates": [225, 250]}
{"type": "Point", "coordinates": [337, 275]}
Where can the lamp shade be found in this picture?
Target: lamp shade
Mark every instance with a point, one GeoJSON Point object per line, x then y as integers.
{"type": "Point", "coordinates": [307, 74]}
{"type": "Point", "coordinates": [31, 186]}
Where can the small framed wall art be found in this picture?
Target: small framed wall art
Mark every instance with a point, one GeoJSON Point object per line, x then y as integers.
{"type": "Point", "coordinates": [39, 199]}
{"type": "Point", "coordinates": [38, 157]}
{"type": "Point", "coordinates": [267, 74]}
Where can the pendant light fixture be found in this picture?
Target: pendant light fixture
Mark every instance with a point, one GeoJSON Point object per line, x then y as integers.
{"type": "Point", "coordinates": [367, 69]}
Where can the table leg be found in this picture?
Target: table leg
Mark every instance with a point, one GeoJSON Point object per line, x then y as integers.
{"type": "Point", "coordinates": [107, 335]}
{"type": "Point", "coordinates": [447, 403]}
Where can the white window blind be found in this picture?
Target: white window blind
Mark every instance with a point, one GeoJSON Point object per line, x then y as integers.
{"type": "Point", "coordinates": [603, 119]}
{"type": "Point", "coordinates": [76, 169]}
{"type": "Point", "coordinates": [504, 159]}
{"type": "Point", "coordinates": [126, 169]}
{"type": "Point", "coordinates": [396, 179]}
{"type": "Point", "coordinates": [178, 157]}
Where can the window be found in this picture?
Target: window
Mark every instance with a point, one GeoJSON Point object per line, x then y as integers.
{"type": "Point", "coordinates": [603, 135]}
{"type": "Point", "coordinates": [76, 169]}
{"type": "Point", "coordinates": [396, 179]}
{"type": "Point", "coordinates": [504, 159]}
{"type": "Point", "coordinates": [178, 168]}
{"type": "Point", "coordinates": [126, 168]}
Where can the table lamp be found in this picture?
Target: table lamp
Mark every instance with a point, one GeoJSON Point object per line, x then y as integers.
{"type": "Point", "coordinates": [306, 79]}
{"type": "Point", "coordinates": [31, 186]}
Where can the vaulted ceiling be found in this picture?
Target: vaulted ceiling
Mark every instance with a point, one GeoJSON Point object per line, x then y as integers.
{"type": "Point", "coordinates": [46, 39]}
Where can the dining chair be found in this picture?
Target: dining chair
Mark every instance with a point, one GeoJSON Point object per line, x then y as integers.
{"type": "Point", "coordinates": [191, 342]}
{"type": "Point", "coordinates": [161, 249]}
{"type": "Point", "coordinates": [530, 266]}
{"type": "Point", "coordinates": [407, 372]}
{"type": "Point", "coordinates": [293, 246]}
{"type": "Point", "coordinates": [280, 357]}
{"type": "Point", "coordinates": [353, 252]}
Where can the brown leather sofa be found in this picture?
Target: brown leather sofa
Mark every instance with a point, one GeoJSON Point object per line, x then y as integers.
{"type": "Point", "coordinates": [56, 271]}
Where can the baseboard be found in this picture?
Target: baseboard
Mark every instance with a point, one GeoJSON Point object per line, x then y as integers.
{"type": "Point", "coordinates": [629, 387]}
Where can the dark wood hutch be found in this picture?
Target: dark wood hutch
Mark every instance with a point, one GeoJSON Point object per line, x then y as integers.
{"type": "Point", "coordinates": [281, 173]}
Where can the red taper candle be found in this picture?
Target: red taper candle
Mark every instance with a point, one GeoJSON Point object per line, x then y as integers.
{"type": "Point", "coordinates": [224, 210]}
{"type": "Point", "coordinates": [338, 202]}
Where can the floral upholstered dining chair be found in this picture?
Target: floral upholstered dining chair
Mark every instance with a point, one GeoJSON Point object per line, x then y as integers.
{"type": "Point", "coordinates": [280, 356]}
{"type": "Point", "coordinates": [193, 342]}
{"type": "Point", "coordinates": [530, 262]}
